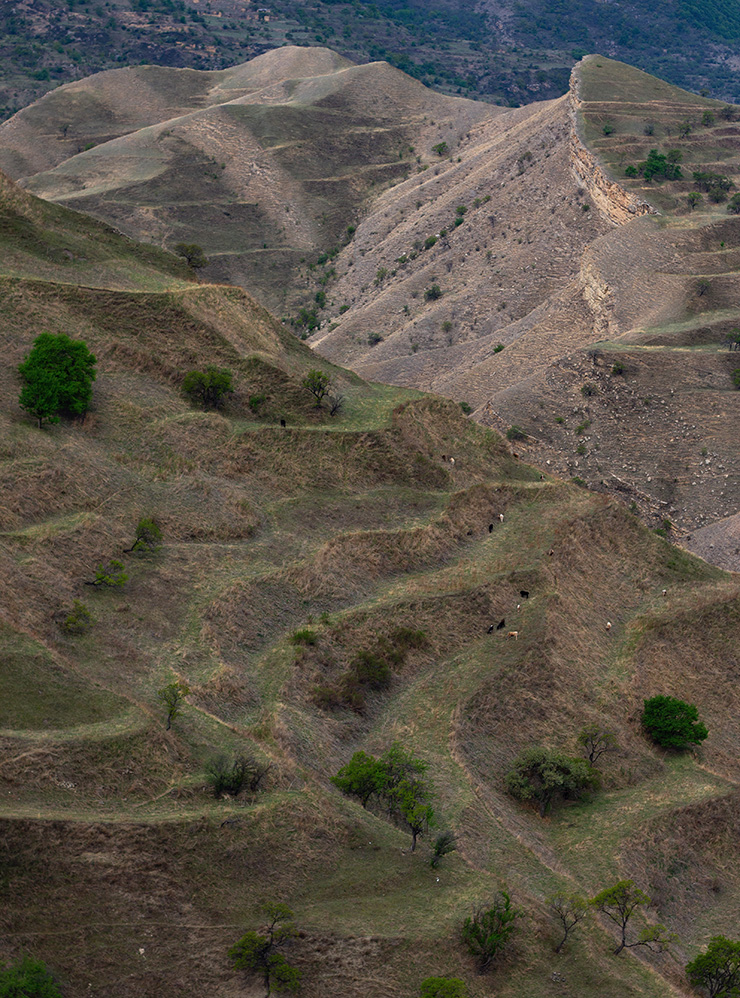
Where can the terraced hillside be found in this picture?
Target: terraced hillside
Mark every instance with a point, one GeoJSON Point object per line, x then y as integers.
{"type": "Point", "coordinates": [287, 552]}
{"type": "Point", "coordinates": [265, 165]}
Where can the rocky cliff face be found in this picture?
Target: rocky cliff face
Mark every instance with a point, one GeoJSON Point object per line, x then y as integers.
{"type": "Point", "coordinates": [609, 197]}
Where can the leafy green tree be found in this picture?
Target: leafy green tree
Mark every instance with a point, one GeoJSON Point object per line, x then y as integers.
{"type": "Point", "coordinates": [443, 987]}
{"type": "Point", "coordinates": [433, 292]}
{"type": "Point", "coordinates": [596, 741]}
{"type": "Point", "coordinates": [545, 776]}
{"type": "Point", "coordinates": [172, 697]}
{"type": "Point", "coordinates": [672, 723]}
{"type": "Point", "coordinates": [488, 929]}
{"type": "Point", "coordinates": [661, 166]}
{"type": "Point", "coordinates": [258, 954]}
{"type": "Point", "coordinates": [359, 778]}
{"type": "Point", "coordinates": [207, 389]}
{"type": "Point", "coordinates": [193, 253]}
{"type": "Point", "coordinates": [440, 148]}
{"type": "Point", "coordinates": [569, 909]}
{"type": "Point", "coordinates": [694, 198]}
{"type": "Point", "coordinates": [619, 903]}
{"type": "Point", "coordinates": [57, 378]}
{"type": "Point", "coordinates": [318, 384]}
{"type": "Point", "coordinates": [396, 779]}
{"type": "Point", "coordinates": [28, 978]}
{"type": "Point", "coordinates": [148, 535]}
{"type": "Point", "coordinates": [717, 971]}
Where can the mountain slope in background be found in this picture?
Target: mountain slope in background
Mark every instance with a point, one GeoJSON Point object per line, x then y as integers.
{"type": "Point", "coordinates": [263, 165]}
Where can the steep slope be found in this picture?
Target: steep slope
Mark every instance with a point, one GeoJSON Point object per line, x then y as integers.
{"type": "Point", "coordinates": [395, 528]}
{"type": "Point", "coordinates": [263, 165]}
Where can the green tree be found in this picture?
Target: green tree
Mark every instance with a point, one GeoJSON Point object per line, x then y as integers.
{"type": "Point", "coordinates": [717, 971]}
{"type": "Point", "coordinates": [258, 954]}
{"type": "Point", "coordinates": [619, 903]}
{"type": "Point", "coordinates": [433, 292]}
{"type": "Point", "coordinates": [444, 844]}
{"type": "Point", "coordinates": [545, 776]}
{"type": "Point", "coordinates": [231, 776]}
{"type": "Point", "coordinates": [440, 148]}
{"type": "Point", "coordinates": [28, 978]}
{"type": "Point", "coordinates": [207, 389]}
{"type": "Point", "coordinates": [733, 205]}
{"type": "Point", "coordinates": [359, 778]}
{"type": "Point", "coordinates": [488, 929]}
{"type": "Point", "coordinates": [596, 741]}
{"type": "Point", "coordinates": [318, 384]}
{"type": "Point", "coordinates": [57, 378]}
{"type": "Point", "coordinates": [193, 253]}
{"type": "Point", "coordinates": [694, 198]}
{"type": "Point", "coordinates": [443, 987]}
{"type": "Point", "coordinates": [569, 909]}
{"type": "Point", "coordinates": [672, 723]}
{"type": "Point", "coordinates": [172, 697]}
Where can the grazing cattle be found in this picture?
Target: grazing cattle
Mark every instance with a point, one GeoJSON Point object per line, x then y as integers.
{"type": "Point", "coordinates": [665, 592]}
{"type": "Point", "coordinates": [501, 517]}
{"type": "Point", "coordinates": [524, 593]}
{"type": "Point", "coordinates": [501, 625]}
{"type": "Point", "coordinates": [490, 629]}
{"type": "Point", "coordinates": [513, 634]}
{"type": "Point", "coordinates": [519, 606]}
{"type": "Point", "coordinates": [608, 625]}
{"type": "Point", "coordinates": [490, 528]}
{"type": "Point", "coordinates": [551, 552]}
{"type": "Point", "coordinates": [452, 460]}
{"type": "Point", "coordinates": [282, 422]}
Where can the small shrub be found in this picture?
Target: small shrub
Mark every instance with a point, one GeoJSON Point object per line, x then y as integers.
{"type": "Point", "coordinates": [589, 389]}
{"type": "Point", "coordinates": [256, 401]}
{"type": "Point", "coordinates": [172, 697]}
{"type": "Point", "coordinates": [515, 433]}
{"type": "Point", "coordinates": [207, 389]}
{"type": "Point", "coordinates": [112, 575]}
{"type": "Point", "coordinates": [343, 309]}
{"type": "Point", "coordinates": [487, 930]}
{"type": "Point", "coordinates": [581, 449]}
{"type": "Point", "coordinates": [498, 348]}
{"type": "Point", "coordinates": [618, 367]}
{"type": "Point", "coordinates": [371, 670]}
{"type": "Point", "coordinates": [78, 621]}
{"type": "Point", "coordinates": [630, 171]}
{"type": "Point", "coordinates": [466, 408]}
{"type": "Point", "coordinates": [374, 338]}
{"type": "Point", "coordinates": [303, 637]}
{"type": "Point", "coordinates": [444, 844]}
{"type": "Point", "coordinates": [443, 987]}
{"type": "Point", "coordinates": [231, 776]}
{"type": "Point", "coordinates": [736, 377]}
{"type": "Point", "coordinates": [433, 292]}
{"type": "Point", "coordinates": [607, 128]}
{"type": "Point", "coordinates": [380, 275]}
{"type": "Point", "coordinates": [148, 536]}
{"type": "Point", "coordinates": [733, 205]}
{"type": "Point", "coordinates": [461, 209]}
{"type": "Point", "coordinates": [429, 242]}
{"type": "Point", "coordinates": [441, 148]}
{"type": "Point", "coordinates": [672, 723]}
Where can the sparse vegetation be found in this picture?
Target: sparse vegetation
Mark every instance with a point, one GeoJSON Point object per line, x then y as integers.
{"type": "Point", "coordinates": [515, 433]}
{"type": "Point", "coordinates": [443, 987]}
{"type": "Point", "coordinates": [596, 740]}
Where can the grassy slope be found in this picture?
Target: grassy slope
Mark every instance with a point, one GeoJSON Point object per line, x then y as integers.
{"type": "Point", "coordinates": [355, 526]}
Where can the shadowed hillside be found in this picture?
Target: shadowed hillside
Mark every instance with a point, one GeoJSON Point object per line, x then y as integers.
{"type": "Point", "coordinates": [395, 528]}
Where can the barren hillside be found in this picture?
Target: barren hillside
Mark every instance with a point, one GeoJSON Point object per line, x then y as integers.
{"type": "Point", "coordinates": [265, 165]}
